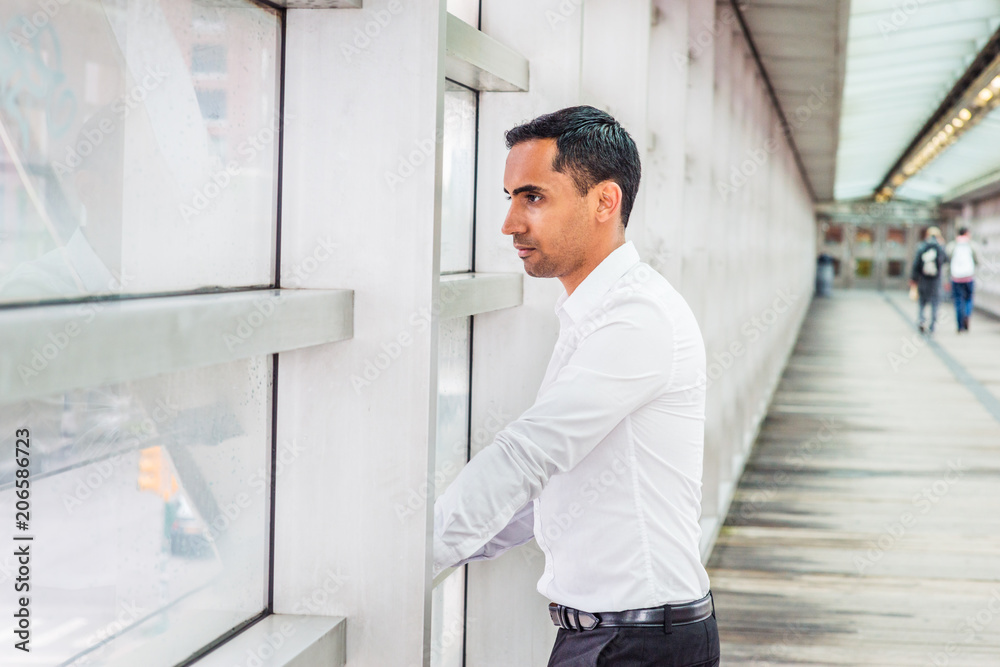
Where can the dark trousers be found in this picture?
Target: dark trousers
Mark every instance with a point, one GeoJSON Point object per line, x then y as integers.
{"type": "Point", "coordinates": [962, 293]}
{"type": "Point", "coordinates": [692, 645]}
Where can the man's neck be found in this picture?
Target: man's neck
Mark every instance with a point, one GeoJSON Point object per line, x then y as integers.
{"type": "Point", "coordinates": [573, 280]}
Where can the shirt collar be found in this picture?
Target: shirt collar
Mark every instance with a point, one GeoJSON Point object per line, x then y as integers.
{"type": "Point", "coordinates": [588, 294]}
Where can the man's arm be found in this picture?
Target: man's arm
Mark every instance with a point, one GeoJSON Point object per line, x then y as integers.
{"type": "Point", "coordinates": [520, 530]}
{"type": "Point", "coordinates": [618, 368]}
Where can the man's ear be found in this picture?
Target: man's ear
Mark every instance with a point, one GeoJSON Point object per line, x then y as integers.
{"type": "Point", "coordinates": [609, 202]}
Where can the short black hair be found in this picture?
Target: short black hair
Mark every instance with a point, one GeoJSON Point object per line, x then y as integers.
{"type": "Point", "coordinates": [962, 231]}
{"type": "Point", "coordinates": [591, 147]}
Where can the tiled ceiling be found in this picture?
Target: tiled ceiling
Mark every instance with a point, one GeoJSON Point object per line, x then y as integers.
{"type": "Point", "coordinates": [902, 60]}
{"type": "Point", "coordinates": [801, 44]}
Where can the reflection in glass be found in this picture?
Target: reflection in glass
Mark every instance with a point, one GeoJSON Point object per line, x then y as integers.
{"type": "Point", "coordinates": [136, 141]}
{"type": "Point", "coordinates": [149, 512]}
{"type": "Point", "coordinates": [458, 173]}
{"type": "Point", "coordinates": [454, 346]}
{"type": "Point", "coordinates": [896, 268]}
{"type": "Point", "coordinates": [448, 622]}
{"type": "Point", "coordinates": [863, 268]}
{"type": "Point", "coordinates": [895, 236]}
{"type": "Point", "coordinates": [864, 236]}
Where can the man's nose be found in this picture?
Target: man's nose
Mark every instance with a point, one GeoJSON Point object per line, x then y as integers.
{"type": "Point", "coordinates": [511, 224]}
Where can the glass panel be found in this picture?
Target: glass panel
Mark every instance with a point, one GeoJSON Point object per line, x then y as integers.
{"type": "Point", "coordinates": [148, 511]}
{"type": "Point", "coordinates": [836, 266]}
{"type": "Point", "coordinates": [863, 268]}
{"type": "Point", "coordinates": [454, 345]}
{"type": "Point", "coordinates": [467, 10]}
{"type": "Point", "coordinates": [864, 236]}
{"type": "Point", "coordinates": [448, 622]}
{"type": "Point", "coordinates": [133, 150]}
{"type": "Point", "coordinates": [459, 178]}
{"type": "Point", "coordinates": [895, 268]}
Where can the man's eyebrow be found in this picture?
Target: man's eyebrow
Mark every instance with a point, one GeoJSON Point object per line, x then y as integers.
{"type": "Point", "coordinates": [525, 188]}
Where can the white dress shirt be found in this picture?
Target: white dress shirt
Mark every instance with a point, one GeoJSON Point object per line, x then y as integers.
{"type": "Point", "coordinates": [610, 453]}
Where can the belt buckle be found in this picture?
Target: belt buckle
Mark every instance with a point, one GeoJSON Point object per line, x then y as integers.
{"type": "Point", "coordinates": [573, 619]}
{"type": "Point", "coordinates": [594, 620]}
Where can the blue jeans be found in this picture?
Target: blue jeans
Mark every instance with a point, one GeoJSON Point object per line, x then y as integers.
{"type": "Point", "coordinates": [962, 293]}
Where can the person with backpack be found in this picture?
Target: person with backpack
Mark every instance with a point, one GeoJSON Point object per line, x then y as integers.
{"type": "Point", "coordinates": [926, 276]}
{"type": "Point", "coordinates": [963, 260]}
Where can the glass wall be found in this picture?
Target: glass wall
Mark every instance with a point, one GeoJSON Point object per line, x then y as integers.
{"type": "Point", "coordinates": [138, 156]}
{"type": "Point", "coordinates": [454, 351]}
{"type": "Point", "coordinates": [138, 143]}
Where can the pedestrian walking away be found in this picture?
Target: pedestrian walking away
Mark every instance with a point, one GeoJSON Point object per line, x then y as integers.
{"type": "Point", "coordinates": [926, 276]}
{"type": "Point", "coordinates": [623, 399]}
{"type": "Point", "coordinates": [963, 258]}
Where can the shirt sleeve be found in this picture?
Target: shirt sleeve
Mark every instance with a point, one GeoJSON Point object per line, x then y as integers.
{"type": "Point", "coordinates": [520, 530]}
{"type": "Point", "coordinates": [616, 369]}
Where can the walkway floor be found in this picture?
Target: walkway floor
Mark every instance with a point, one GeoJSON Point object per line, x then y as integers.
{"type": "Point", "coordinates": [866, 526]}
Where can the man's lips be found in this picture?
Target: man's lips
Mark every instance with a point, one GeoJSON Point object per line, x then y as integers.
{"type": "Point", "coordinates": [523, 251]}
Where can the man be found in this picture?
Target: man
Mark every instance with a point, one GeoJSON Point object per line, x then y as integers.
{"type": "Point", "coordinates": [963, 260]}
{"type": "Point", "coordinates": [926, 275]}
{"type": "Point", "coordinates": [604, 470]}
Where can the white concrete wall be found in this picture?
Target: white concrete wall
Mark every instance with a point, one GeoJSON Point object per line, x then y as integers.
{"type": "Point", "coordinates": [362, 412]}
{"type": "Point", "coordinates": [983, 220]}
{"type": "Point", "coordinates": [682, 82]}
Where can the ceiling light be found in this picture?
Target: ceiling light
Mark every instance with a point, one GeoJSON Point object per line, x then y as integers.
{"type": "Point", "coordinates": [965, 114]}
{"type": "Point", "coordinates": [995, 83]}
{"type": "Point", "coordinates": [985, 94]}
{"type": "Point", "coordinates": [957, 122]}
{"type": "Point", "coordinates": [949, 129]}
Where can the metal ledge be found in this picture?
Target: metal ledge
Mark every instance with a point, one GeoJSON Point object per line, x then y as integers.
{"type": "Point", "coordinates": [288, 641]}
{"type": "Point", "coordinates": [480, 62]}
{"type": "Point", "coordinates": [50, 349]}
{"type": "Point", "coordinates": [465, 294]}
{"type": "Point", "coordinates": [318, 4]}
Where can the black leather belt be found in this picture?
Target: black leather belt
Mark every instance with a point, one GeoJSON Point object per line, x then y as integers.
{"type": "Point", "coordinates": [664, 617]}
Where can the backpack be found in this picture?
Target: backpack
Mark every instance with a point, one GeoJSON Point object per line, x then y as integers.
{"type": "Point", "coordinates": [963, 265]}
{"type": "Point", "coordinates": [929, 261]}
